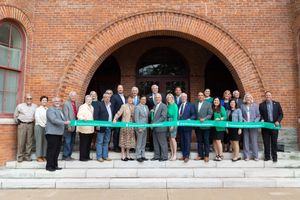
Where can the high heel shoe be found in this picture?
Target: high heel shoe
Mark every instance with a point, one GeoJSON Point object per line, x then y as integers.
{"type": "Point", "coordinates": [130, 159]}
{"type": "Point", "coordinates": [124, 159]}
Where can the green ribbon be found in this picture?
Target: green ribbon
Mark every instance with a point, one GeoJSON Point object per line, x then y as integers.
{"type": "Point", "coordinates": [191, 123]}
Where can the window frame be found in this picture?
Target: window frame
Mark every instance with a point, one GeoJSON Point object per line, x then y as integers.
{"type": "Point", "coordinates": [20, 71]}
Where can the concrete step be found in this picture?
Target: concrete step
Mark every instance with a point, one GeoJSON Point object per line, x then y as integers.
{"type": "Point", "coordinates": [161, 183]}
{"type": "Point", "coordinates": [118, 164]}
{"type": "Point", "coordinates": [227, 155]}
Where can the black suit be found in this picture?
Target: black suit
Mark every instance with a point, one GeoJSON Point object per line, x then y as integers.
{"type": "Point", "coordinates": [270, 136]}
{"type": "Point", "coordinates": [116, 103]}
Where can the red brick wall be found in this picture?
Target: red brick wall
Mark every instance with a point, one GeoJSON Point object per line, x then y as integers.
{"type": "Point", "coordinates": [67, 40]}
{"type": "Point", "coordinates": [8, 143]}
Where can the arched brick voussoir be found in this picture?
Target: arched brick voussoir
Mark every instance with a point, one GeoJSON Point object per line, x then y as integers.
{"type": "Point", "coordinates": [172, 23]}
{"type": "Point", "coordinates": [11, 12]}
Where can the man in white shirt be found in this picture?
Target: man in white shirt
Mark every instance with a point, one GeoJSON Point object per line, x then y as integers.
{"type": "Point", "coordinates": [24, 116]}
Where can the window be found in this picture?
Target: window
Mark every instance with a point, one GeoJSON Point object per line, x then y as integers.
{"type": "Point", "coordinates": [11, 62]}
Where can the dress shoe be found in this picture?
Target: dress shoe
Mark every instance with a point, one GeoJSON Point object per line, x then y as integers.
{"type": "Point", "coordinates": [163, 159]}
{"type": "Point", "coordinates": [100, 160]}
{"type": "Point", "coordinates": [206, 159]}
{"type": "Point", "coordinates": [274, 160]}
{"type": "Point", "coordinates": [267, 159]}
{"type": "Point", "coordinates": [145, 159]}
{"type": "Point", "coordinates": [186, 160]}
{"type": "Point", "coordinates": [124, 159]}
{"type": "Point", "coordinates": [84, 160]}
{"type": "Point", "coordinates": [27, 159]}
{"type": "Point", "coordinates": [40, 159]}
{"type": "Point", "coordinates": [154, 159]}
{"type": "Point", "coordinates": [236, 159]}
{"type": "Point", "coordinates": [182, 158]}
{"type": "Point", "coordinates": [45, 159]}
{"type": "Point", "coordinates": [50, 169]}
{"type": "Point", "coordinates": [199, 158]}
{"type": "Point", "coordinates": [58, 168]}
{"type": "Point", "coordinates": [69, 159]}
{"type": "Point", "coordinates": [20, 160]}
{"type": "Point", "coordinates": [107, 159]}
{"type": "Point", "coordinates": [117, 150]}
{"type": "Point", "coordinates": [130, 159]}
{"type": "Point", "coordinates": [140, 160]}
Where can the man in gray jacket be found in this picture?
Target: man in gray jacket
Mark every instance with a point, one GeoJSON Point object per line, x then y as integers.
{"type": "Point", "coordinates": [141, 115]}
{"type": "Point", "coordinates": [204, 112]}
{"type": "Point", "coordinates": [70, 109]}
{"type": "Point", "coordinates": [159, 134]}
{"type": "Point", "coordinates": [55, 128]}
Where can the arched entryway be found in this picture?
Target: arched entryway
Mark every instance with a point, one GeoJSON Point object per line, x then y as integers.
{"type": "Point", "coordinates": [188, 26]}
{"type": "Point", "coordinates": [107, 76]}
{"type": "Point", "coordinates": [164, 67]}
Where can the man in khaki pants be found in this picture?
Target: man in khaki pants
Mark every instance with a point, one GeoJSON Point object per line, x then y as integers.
{"type": "Point", "coordinates": [24, 116]}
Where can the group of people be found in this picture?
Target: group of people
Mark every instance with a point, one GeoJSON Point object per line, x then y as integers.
{"type": "Point", "coordinates": [51, 126]}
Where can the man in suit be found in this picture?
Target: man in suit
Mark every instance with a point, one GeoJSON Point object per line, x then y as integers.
{"type": "Point", "coordinates": [177, 96]}
{"type": "Point", "coordinates": [186, 112]}
{"type": "Point", "coordinates": [270, 111]}
{"type": "Point", "coordinates": [70, 109]}
{"type": "Point", "coordinates": [160, 134]}
{"type": "Point", "coordinates": [135, 94]}
{"type": "Point", "coordinates": [141, 115]}
{"type": "Point", "coordinates": [204, 112]}
{"type": "Point", "coordinates": [151, 97]}
{"type": "Point", "coordinates": [117, 100]}
{"type": "Point", "coordinates": [103, 113]}
{"type": "Point", "coordinates": [55, 128]}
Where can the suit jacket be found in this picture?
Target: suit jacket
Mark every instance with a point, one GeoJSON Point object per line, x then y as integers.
{"type": "Point", "coordinates": [150, 101]}
{"type": "Point", "coordinates": [85, 112]}
{"type": "Point", "coordinates": [55, 121]}
{"type": "Point", "coordinates": [236, 115]}
{"type": "Point", "coordinates": [277, 112]}
{"type": "Point", "coordinates": [239, 102]}
{"type": "Point", "coordinates": [160, 116]}
{"type": "Point", "coordinates": [102, 114]}
{"type": "Point", "coordinates": [205, 112]}
{"type": "Point", "coordinates": [96, 105]}
{"type": "Point", "coordinates": [116, 102]}
{"type": "Point", "coordinates": [177, 102]}
{"type": "Point", "coordinates": [69, 113]}
{"type": "Point", "coordinates": [254, 112]}
{"type": "Point", "coordinates": [140, 115]}
{"type": "Point", "coordinates": [188, 113]}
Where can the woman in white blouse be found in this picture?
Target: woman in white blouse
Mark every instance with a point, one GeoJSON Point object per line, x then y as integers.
{"type": "Point", "coordinates": [86, 112]}
{"type": "Point", "coordinates": [39, 130]}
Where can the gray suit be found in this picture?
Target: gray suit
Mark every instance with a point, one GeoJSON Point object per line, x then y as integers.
{"type": "Point", "coordinates": [250, 135]}
{"type": "Point", "coordinates": [141, 115]}
{"type": "Point", "coordinates": [69, 112]}
{"type": "Point", "coordinates": [55, 122]}
{"type": "Point", "coordinates": [205, 112]}
{"type": "Point", "coordinates": [160, 134]}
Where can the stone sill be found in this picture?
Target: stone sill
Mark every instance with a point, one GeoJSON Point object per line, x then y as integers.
{"type": "Point", "coordinates": [7, 121]}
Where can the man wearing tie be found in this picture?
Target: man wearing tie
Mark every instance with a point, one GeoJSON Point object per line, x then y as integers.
{"type": "Point", "coordinates": [178, 93]}
{"type": "Point", "coordinates": [117, 100]}
{"type": "Point", "coordinates": [135, 93]}
{"type": "Point", "coordinates": [55, 128]}
{"type": "Point", "coordinates": [270, 111]}
{"type": "Point", "coordinates": [160, 134]}
{"type": "Point", "coordinates": [186, 112]}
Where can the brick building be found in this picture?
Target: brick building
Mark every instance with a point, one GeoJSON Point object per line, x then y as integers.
{"type": "Point", "coordinates": [53, 47]}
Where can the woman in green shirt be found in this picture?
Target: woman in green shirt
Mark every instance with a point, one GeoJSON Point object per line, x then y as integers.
{"type": "Point", "coordinates": [207, 96]}
{"type": "Point", "coordinates": [172, 116]}
{"type": "Point", "coordinates": [218, 132]}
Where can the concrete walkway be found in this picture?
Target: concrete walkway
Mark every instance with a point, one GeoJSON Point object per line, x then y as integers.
{"type": "Point", "coordinates": [157, 194]}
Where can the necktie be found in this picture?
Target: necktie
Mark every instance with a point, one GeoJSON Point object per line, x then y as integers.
{"type": "Point", "coordinates": [181, 110]}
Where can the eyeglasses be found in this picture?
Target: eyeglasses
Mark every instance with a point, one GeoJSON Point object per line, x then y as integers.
{"type": "Point", "coordinates": [29, 98]}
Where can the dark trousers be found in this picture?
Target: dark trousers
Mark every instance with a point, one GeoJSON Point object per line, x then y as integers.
{"type": "Point", "coordinates": [53, 149]}
{"type": "Point", "coordinates": [270, 142]}
{"type": "Point", "coordinates": [116, 137]}
{"type": "Point", "coordinates": [203, 142]}
{"type": "Point", "coordinates": [186, 137]}
{"type": "Point", "coordinates": [85, 141]}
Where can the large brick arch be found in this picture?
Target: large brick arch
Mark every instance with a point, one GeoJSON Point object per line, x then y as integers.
{"type": "Point", "coordinates": [107, 39]}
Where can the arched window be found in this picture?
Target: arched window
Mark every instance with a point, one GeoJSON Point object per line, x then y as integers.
{"type": "Point", "coordinates": [162, 66]}
{"type": "Point", "coordinates": [11, 63]}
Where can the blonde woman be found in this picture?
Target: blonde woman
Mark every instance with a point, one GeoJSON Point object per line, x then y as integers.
{"type": "Point", "coordinates": [172, 116]}
{"type": "Point", "coordinates": [250, 113]}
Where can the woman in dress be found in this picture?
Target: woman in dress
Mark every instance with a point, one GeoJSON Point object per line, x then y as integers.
{"type": "Point", "coordinates": [219, 114]}
{"type": "Point", "coordinates": [172, 131]}
{"type": "Point", "coordinates": [234, 114]}
{"type": "Point", "coordinates": [127, 137]}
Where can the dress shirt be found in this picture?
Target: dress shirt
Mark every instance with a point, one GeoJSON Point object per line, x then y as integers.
{"type": "Point", "coordinates": [123, 98]}
{"type": "Point", "coordinates": [270, 110]}
{"type": "Point", "coordinates": [107, 105]}
{"type": "Point", "coordinates": [200, 105]}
